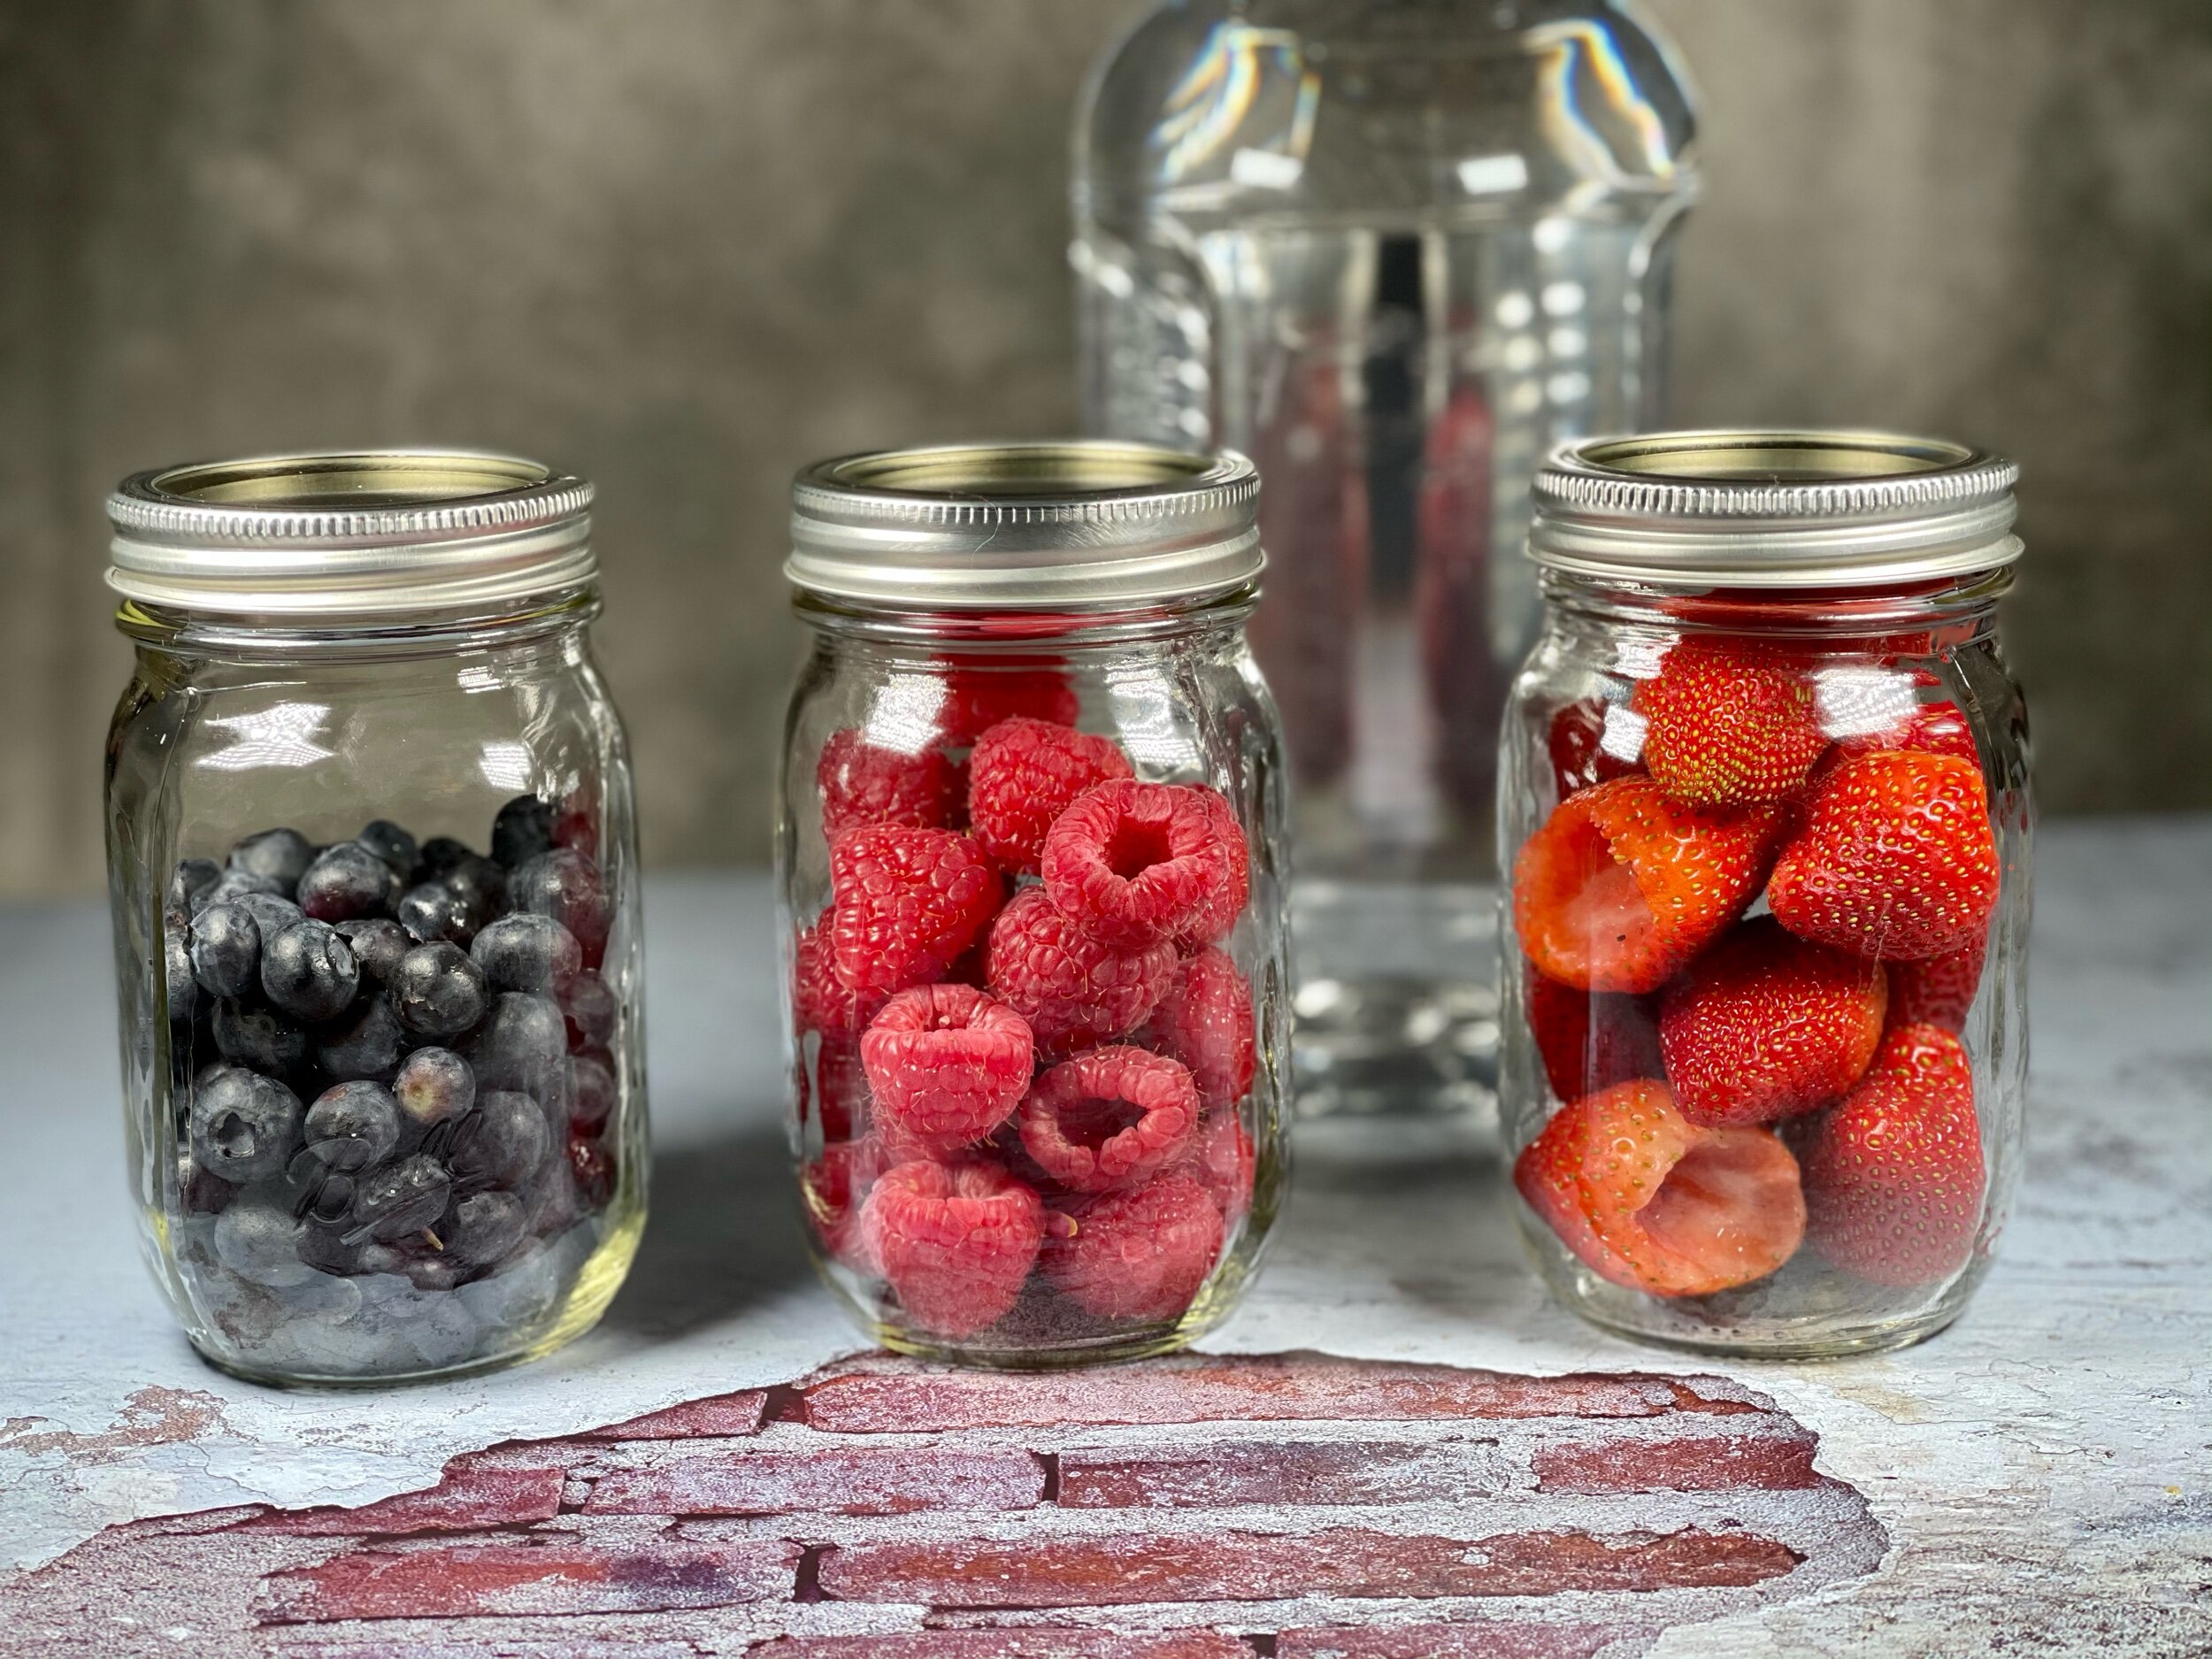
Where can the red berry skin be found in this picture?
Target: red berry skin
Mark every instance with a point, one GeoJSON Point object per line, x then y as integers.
{"type": "Point", "coordinates": [1621, 887]}
{"type": "Point", "coordinates": [819, 1000]}
{"type": "Point", "coordinates": [1023, 775]}
{"type": "Point", "coordinates": [861, 784]}
{"type": "Point", "coordinates": [1939, 728]}
{"type": "Point", "coordinates": [1205, 1021]}
{"type": "Point", "coordinates": [1729, 725]}
{"type": "Point", "coordinates": [1219, 914]}
{"type": "Point", "coordinates": [1893, 1176]}
{"type": "Point", "coordinates": [831, 1187]}
{"type": "Point", "coordinates": [835, 1088]}
{"type": "Point", "coordinates": [1138, 1255]}
{"type": "Point", "coordinates": [1895, 858]}
{"type": "Point", "coordinates": [947, 1064]}
{"type": "Point", "coordinates": [976, 698]}
{"type": "Point", "coordinates": [592, 1167]}
{"type": "Point", "coordinates": [1575, 742]}
{"type": "Point", "coordinates": [1133, 862]}
{"type": "Point", "coordinates": [906, 903]}
{"type": "Point", "coordinates": [1764, 1026]}
{"type": "Point", "coordinates": [1072, 989]}
{"type": "Point", "coordinates": [1109, 1118]}
{"type": "Point", "coordinates": [1223, 1162]}
{"type": "Point", "coordinates": [1590, 1041]}
{"type": "Point", "coordinates": [954, 1241]}
{"type": "Point", "coordinates": [1652, 1202]}
{"type": "Point", "coordinates": [1937, 990]}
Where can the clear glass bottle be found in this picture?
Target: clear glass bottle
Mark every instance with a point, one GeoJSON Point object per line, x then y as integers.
{"type": "Point", "coordinates": [1029, 848]}
{"type": "Point", "coordinates": [1394, 250]}
{"type": "Point", "coordinates": [1766, 818]}
{"type": "Point", "coordinates": [373, 869]}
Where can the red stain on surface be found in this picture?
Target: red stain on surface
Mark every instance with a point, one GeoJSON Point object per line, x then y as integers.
{"type": "Point", "coordinates": [149, 1416]}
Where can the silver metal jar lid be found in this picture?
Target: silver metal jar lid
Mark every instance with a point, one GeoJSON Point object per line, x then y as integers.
{"type": "Point", "coordinates": [1773, 509]}
{"type": "Point", "coordinates": [1084, 525]}
{"type": "Point", "coordinates": [356, 533]}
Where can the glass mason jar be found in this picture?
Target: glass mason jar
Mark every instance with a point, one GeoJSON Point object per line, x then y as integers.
{"type": "Point", "coordinates": [1029, 848]}
{"type": "Point", "coordinates": [373, 871]}
{"type": "Point", "coordinates": [1394, 250]}
{"type": "Point", "coordinates": [1766, 816]}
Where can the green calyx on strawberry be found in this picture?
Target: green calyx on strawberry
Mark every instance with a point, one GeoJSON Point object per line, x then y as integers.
{"type": "Point", "coordinates": [1765, 1025]}
{"type": "Point", "coordinates": [1621, 887]}
{"type": "Point", "coordinates": [1589, 1040]}
{"type": "Point", "coordinates": [1653, 1202]}
{"type": "Point", "coordinates": [1728, 724]}
{"type": "Point", "coordinates": [1893, 1175]}
{"type": "Point", "coordinates": [1893, 857]}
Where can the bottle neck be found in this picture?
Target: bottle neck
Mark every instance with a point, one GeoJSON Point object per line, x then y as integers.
{"type": "Point", "coordinates": [1019, 633]}
{"type": "Point", "coordinates": [1965, 604]}
{"type": "Point", "coordinates": [225, 636]}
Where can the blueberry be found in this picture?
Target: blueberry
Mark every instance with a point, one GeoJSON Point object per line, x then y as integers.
{"type": "Point", "coordinates": [199, 1192]}
{"type": "Point", "coordinates": [399, 1199]}
{"type": "Point", "coordinates": [353, 1126]}
{"type": "Point", "coordinates": [522, 1044]}
{"type": "Point", "coordinates": [593, 1013]}
{"type": "Point", "coordinates": [329, 1201]}
{"type": "Point", "coordinates": [439, 854]}
{"type": "Point", "coordinates": [180, 991]}
{"type": "Point", "coordinates": [433, 1273]}
{"type": "Point", "coordinates": [282, 854]}
{"type": "Point", "coordinates": [564, 886]}
{"type": "Point", "coordinates": [484, 1227]}
{"type": "Point", "coordinates": [481, 887]}
{"type": "Point", "coordinates": [522, 830]}
{"type": "Point", "coordinates": [377, 945]}
{"type": "Point", "coordinates": [233, 885]}
{"type": "Point", "coordinates": [243, 1126]}
{"type": "Point", "coordinates": [346, 882]}
{"type": "Point", "coordinates": [526, 953]}
{"type": "Point", "coordinates": [260, 1242]}
{"type": "Point", "coordinates": [591, 1088]}
{"type": "Point", "coordinates": [502, 1142]}
{"type": "Point", "coordinates": [272, 912]}
{"type": "Point", "coordinates": [308, 971]}
{"type": "Point", "coordinates": [365, 1042]}
{"type": "Point", "coordinates": [434, 1084]}
{"type": "Point", "coordinates": [190, 879]}
{"type": "Point", "coordinates": [437, 990]}
{"type": "Point", "coordinates": [256, 1037]}
{"type": "Point", "coordinates": [391, 844]}
{"type": "Point", "coordinates": [225, 949]}
{"type": "Point", "coordinates": [433, 912]}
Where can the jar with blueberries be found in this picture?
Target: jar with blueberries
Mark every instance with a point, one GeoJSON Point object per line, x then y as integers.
{"type": "Point", "coordinates": [1766, 818]}
{"type": "Point", "coordinates": [372, 864]}
{"type": "Point", "coordinates": [1029, 849]}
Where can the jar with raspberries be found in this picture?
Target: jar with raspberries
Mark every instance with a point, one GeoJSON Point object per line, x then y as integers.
{"type": "Point", "coordinates": [373, 873]}
{"type": "Point", "coordinates": [1766, 820]}
{"type": "Point", "coordinates": [1029, 850]}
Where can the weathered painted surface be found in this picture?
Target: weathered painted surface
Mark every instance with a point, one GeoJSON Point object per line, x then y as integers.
{"type": "Point", "coordinates": [2042, 1471]}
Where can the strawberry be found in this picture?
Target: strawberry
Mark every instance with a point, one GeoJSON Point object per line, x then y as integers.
{"type": "Point", "coordinates": [1935, 728]}
{"type": "Point", "coordinates": [1729, 725]}
{"type": "Point", "coordinates": [1589, 1041]}
{"type": "Point", "coordinates": [1894, 1177]}
{"type": "Point", "coordinates": [1622, 886]}
{"type": "Point", "coordinates": [1937, 990]}
{"type": "Point", "coordinates": [1764, 1026]}
{"type": "Point", "coordinates": [1652, 1202]}
{"type": "Point", "coordinates": [1578, 742]}
{"type": "Point", "coordinates": [1894, 859]}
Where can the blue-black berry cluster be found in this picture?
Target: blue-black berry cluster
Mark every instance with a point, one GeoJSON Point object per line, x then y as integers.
{"type": "Point", "coordinates": [395, 1072]}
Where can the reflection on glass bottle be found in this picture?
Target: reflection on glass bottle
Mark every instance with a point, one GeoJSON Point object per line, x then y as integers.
{"type": "Point", "coordinates": [1394, 250]}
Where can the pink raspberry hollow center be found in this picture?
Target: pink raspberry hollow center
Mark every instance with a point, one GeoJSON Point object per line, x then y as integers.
{"type": "Point", "coordinates": [947, 1064]}
{"type": "Point", "coordinates": [1132, 862]}
{"type": "Point", "coordinates": [1109, 1118]}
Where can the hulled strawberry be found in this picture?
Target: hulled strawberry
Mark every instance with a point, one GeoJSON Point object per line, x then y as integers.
{"type": "Point", "coordinates": [1894, 859]}
{"type": "Point", "coordinates": [1765, 1025]}
{"type": "Point", "coordinates": [1728, 724]}
{"type": "Point", "coordinates": [1621, 887]}
{"type": "Point", "coordinates": [1589, 1040]}
{"type": "Point", "coordinates": [1893, 1176]}
{"type": "Point", "coordinates": [1653, 1202]}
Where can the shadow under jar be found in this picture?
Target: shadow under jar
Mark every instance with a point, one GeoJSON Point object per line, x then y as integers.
{"type": "Point", "coordinates": [1766, 819]}
{"type": "Point", "coordinates": [373, 871]}
{"type": "Point", "coordinates": [1029, 853]}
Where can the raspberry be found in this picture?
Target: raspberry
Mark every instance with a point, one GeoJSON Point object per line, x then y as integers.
{"type": "Point", "coordinates": [1216, 917]}
{"type": "Point", "coordinates": [819, 1000]}
{"type": "Point", "coordinates": [1072, 989]}
{"type": "Point", "coordinates": [907, 902]}
{"type": "Point", "coordinates": [1221, 1161]}
{"type": "Point", "coordinates": [832, 1188]}
{"type": "Point", "coordinates": [1109, 1118]}
{"type": "Point", "coordinates": [1140, 1254]}
{"type": "Point", "coordinates": [1136, 862]}
{"type": "Point", "coordinates": [954, 1241]}
{"type": "Point", "coordinates": [976, 698]}
{"type": "Point", "coordinates": [862, 784]}
{"type": "Point", "coordinates": [836, 1086]}
{"type": "Point", "coordinates": [1205, 1021]}
{"type": "Point", "coordinates": [947, 1064]}
{"type": "Point", "coordinates": [1023, 775]}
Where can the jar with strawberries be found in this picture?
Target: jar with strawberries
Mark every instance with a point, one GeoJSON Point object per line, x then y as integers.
{"type": "Point", "coordinates": [1766, 818]}
{"type": "Point", "coordinates": [1028, 851]}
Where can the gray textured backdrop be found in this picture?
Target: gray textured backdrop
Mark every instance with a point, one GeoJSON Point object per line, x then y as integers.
{"type": "Point", "coordinates": [683, 245]}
